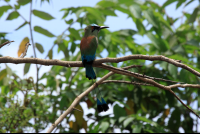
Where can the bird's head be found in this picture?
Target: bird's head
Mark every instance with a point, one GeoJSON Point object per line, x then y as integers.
{"type": "Point", "coordinates": [93, 29]}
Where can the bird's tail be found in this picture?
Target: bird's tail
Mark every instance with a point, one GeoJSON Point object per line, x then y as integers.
{"type": "Point", "coordinates": [102, 105]}
{"type": "Point", "coordinates": [90, 74]}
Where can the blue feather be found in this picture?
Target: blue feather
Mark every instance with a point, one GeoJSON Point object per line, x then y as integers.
{"type": "Point", "coordinates": [99, 106]}
{"type": "Point", "coordinates": [104, 105]}
{"type": "Point", "coordinates": [88, 58]}
{"type": "Point", "coordinates": [87, 62]}
{"type": "Point", "coordinates": [94, 24]}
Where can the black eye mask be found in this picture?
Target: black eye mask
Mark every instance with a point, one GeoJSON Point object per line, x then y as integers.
{"type": "Point", "coordinates": [95, 28]}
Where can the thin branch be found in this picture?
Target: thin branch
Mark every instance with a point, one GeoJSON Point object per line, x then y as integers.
{"type": "Point", "coordinates": [5, 43]}
{"type": "Point", "coordinates": [77, 109]}
{"type": "Point", "coordinates": [153, 78]}
{"type": "Point", "coordinates": [144, 84]}
{"type": "Point", "coordinates": [125, 72]}
{"type": "Point", "coordinates": [25, 52]}
{"type": "Point", "coordinates": [183, 103]}
{"type": "Point", "coordinates": [17, 11]}
{"type": "Point", "coordinates": [129, 73]}
{"type": "Point", "coordinates": [185, 85]}
{"type": "Point", "coordinates": [126, 82]}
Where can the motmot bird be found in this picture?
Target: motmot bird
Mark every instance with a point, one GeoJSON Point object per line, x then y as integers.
{"type": "Point", "coordinates": [88, 47]}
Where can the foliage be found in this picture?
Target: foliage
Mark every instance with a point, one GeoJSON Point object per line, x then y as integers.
{"type": "Point", "coordinates": [135, 108]}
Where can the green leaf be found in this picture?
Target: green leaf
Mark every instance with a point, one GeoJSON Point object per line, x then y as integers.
{"type": "Point", "coordinates": [26, 68]}
{"type": "Point", "coordinates": [73, 47]}
{"type": "Point", "coordinates": [13, 15]}
{"type": "Point", "coordinates": [174, 121]}
{"type": "Point", "coordinates": [39, 47]}
{"type": "Point", "coordinates": [108, 12]}
{"type": "Point", "coordinates": [65, 14]}
{"type": "Point", "coordinates": [9, 71]}
{"type": "Point", "coordinates": [105, 4]}
{"type": "Point", "coordinates": [69, 21]}
{"type": "Point", "coordinates": [188, 3]}
{"type": "Point", "coordinates": [140, 27]}
{"type": "Point", "coordinates": [50, 54]}
{"type": "Point", "coordinates": [193, 15]}
{"type": "Point", "coordinates": [154, 40]}
{"type": "Point", "coordinates": [3, 74]}
{"type": "Point", "coordinates": [74, 33]}
{"type": "Point", "coordinates": [95, 13]}
{"type": "Point", "coordinates": [43, 31]}
{"type": "Point", "coordinates": [193, 42]}
{"type": "Point", "coordinates": [122, 119]}
{"type": "Point", "coordinates": [135, 11]}
{"type": "Point", "coordinates": [168, 2]}
{"type": "Point", "coordinates": [42, 15]}
{"type": "Point", "coordinates": [180, 2]}
{"type": "Point", "coordinates": [173, 70]}
{"type": "Point", "coordinates": [23, 2]}
{"type": "Point", "coordinates": [78, 12]}
{"type": "Point", "coordinates": [104, 126]}
{"type": "Point", "coordinates": [4, 9]}
{"type": "Point", "coordinates": [119, 111]}
{"type": "Point", "coordinates": [148, 14]}
{"type": "Point", "coordinates": [21, 25]}
{"type": "Point", "coordinates": [137, 128]}
{"type": "Point", "coordinates": [128, 121]}
{"type": "Point", "coordinates": [144, 119]}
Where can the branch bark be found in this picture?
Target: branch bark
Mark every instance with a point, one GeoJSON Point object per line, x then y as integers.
{"type": "Point", "coordinates": [96, 63]}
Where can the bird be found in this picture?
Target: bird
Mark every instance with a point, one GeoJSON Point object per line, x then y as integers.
{"type": "Point", "coordinates": [88, 47]}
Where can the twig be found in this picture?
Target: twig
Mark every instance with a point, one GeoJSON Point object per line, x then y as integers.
{"type": "Point", "coordinates": [17, 12]}
{"type": "Point", "coordinates": [77, 109]}
{"type": "Point", "coordinates": [185, 85]}
{"type": "Point", "coordinates": [25, 51]}
{"type": "Point", "coordinates": [183, 103]}
{"type": "Point", "coordinates": [126, 82]}
{"type": "Point", "coordinates": [5, 43]}
{"type": "Point", "coordinates": [153, 78]}
{"type": "Point", "coordinates": [144, 84]}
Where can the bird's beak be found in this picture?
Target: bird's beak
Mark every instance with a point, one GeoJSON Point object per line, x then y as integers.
{"type": "Point", "coordinates": [102, 27]}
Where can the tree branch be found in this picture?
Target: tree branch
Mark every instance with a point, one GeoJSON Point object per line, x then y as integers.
{"type": "Point", "coordinates": [97, 62]}
{"type": "Point", "coordinates": [5, 43]}
{"type": "Point", "coordinates": [168, 88]}
{"type": "Point", "coordinates": [126, 82]}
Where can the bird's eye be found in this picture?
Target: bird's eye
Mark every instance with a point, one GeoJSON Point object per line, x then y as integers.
{"type": "Point", "coordinates": [94, 28]}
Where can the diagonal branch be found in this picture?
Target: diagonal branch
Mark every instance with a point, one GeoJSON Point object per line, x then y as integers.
{"type": "Point", "coordinates": [129, 73]}
{"type": "Point", "coordinates": [5, 43]}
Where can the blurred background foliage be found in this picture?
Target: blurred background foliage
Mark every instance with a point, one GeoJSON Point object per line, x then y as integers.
{"type": "Point", "coordinates": [135, 108]}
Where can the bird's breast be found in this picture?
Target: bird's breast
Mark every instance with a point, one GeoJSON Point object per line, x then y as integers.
{"type": "Point", "coordinates": [88, 42]}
